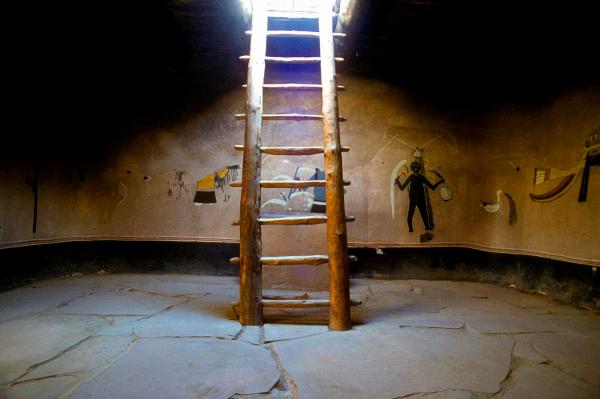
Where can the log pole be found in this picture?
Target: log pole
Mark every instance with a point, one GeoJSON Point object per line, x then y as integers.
{"type": "Point", "coordinates": [250, 235]}
{"type": "Point", "coordinates": [339, 280]}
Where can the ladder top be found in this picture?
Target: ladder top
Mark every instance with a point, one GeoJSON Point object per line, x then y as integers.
{"type": "Point", "coordinates": [295, 33]}
{"type": "Point", "coordinates": [297, 14]}
{"type": "Point", "coordinates": [293, 86]}
{"type": "Point", "coordinates": [292, 59]}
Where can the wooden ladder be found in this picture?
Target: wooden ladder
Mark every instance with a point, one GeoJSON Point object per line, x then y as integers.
{"type": "Point", "coordinates": [251, 219]}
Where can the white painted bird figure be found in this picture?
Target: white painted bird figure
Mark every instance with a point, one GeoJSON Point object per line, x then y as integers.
{"type": "Point", "coordinates": [494, 206]}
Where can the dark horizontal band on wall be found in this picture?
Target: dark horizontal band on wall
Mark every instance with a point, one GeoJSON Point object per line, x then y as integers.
{"type": "Point", "coordinates": [561, 280]}
{"type": "Point", "coordinates": [483, 248]}
{"type": "Point", "coordinates": [42, 241]}
{"type": "Point", "coordinates": [351, 244]}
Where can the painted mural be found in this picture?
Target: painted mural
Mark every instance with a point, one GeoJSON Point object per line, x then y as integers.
{"type": "Point", "coordinates": [32, 181]}
{"type": "Point", "coordinates": [494, 206]}
{"type": "Point", "coordinates": [590, 157]}
{"type": "Point", "coordinates": [178, 186]}
{"type": "Point", "coordinates": [418, 189]}
{"type": "Point", "coordinates": [299, 199]}
{"type": "Point", "coordinates": [208, 186]}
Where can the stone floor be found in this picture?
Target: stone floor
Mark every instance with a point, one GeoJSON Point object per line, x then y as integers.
{"type": "Point", "coordinates": [176, 336]}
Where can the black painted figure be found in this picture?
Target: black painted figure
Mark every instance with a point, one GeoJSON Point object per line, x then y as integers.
{"type": "Point", "coordinates": [417, 194]}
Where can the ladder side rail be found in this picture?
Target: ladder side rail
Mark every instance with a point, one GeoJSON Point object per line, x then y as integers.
{"type": "Point", "coordinates": [337, 241]}
{"type": "Point", "coordinates": [250, 232]}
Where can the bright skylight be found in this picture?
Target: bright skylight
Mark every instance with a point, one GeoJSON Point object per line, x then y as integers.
{"type": "Point", "coordinates": [293, 5]}
{"type": "Point", "coordinates": [287, 5]}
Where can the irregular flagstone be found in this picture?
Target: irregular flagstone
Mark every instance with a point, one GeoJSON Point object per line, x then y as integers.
{"type": "Point", "coordinates": [47, 388]}
{"type": "Point", "coordinates": [26, 342]}
{"type": "Point", "coordinates": [410, 342]}
{"type": "Point", "coordinates": [496, 317]}
{"type": "Point", "coordinates": [98, 280]}
{"type": "Point", "coordinates": [447, 289]}
{"type": "Point", "coordinates": [576, 355]}
{"type": "Point", "coordinates": [535, 303]}
{"type": "Point", "coordinates": [185, 368]}
{"type": "Point", "coordinates": [251, 335]}
{"type": "Point", "coordinates": [91, 354]}
{"type": "Point", "coordinates": [421, 307]}
{"type": "Point", "coordinates": [119, 325]}
{"type": "Point", "coordinates": [397, 287]}
{"type": "Point", "coordinates": [447, 395]}
{"type": "Point", "coordinates": [402, 303]}
{"type": "Point", "coordinates": [123, 302]}
{"type": "Point", "coordinates": [280, 332]}
{"type": "Point", "coordinates": [429, 320]}
{"type": "Point", "coordinates": [526, 351]}
{"type": "Point", "coordinates": [540, 381]}
{"type": "Point", "coordinates": [386, 311]}
{"type": "Point", "coordinates": [359, 288]}
{"type": "Point", "coordinates": [374, 316]}
{"type": "Point", "coordinates": [207, 281]}
{"type": "Point", "coordinates": [178, 285]}
{"type": "Point", "coordinates": [395, 363]}
{"type": "Point", "coordinates": [200, 286]}
{"type": "Point", "coordinates": [168, 288]}
{"type": "Point", "coordinates": [584, 324]}
{"type": "Point", "coordinates": [27, 301]}
{"type": "Point", "coordinates": [210, 316]}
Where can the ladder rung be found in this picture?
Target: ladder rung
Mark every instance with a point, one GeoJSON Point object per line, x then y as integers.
{"type": "Point", "coordinates": [273, 117]}
{"type": "Point", "coordinates": [296, 14]}
{"type": "Point", "coordinates": [292, 219]}
{"type": "Point", "coordinates": [292, 59]}
{"type": "Point", "coordinates": [295, 86]}
{"type": "Point", "coordinates": [295, 33]}
{"type": "Point", "coordinates": [313, 260]}
{"type": "Point", "coordinates": [289, 218]}
{"type": "Point", "coordinates": [288, 183]}
{"type": "Point", "coordinates": [290, 150]}
{"type": "Point", "coordinates": [296, 303]}
{"type": "Point", "coordinates": [301, 303]}
{"type": "Point", "coordinates": [289, 117]}
{"type": "Point", "coordinates": [302, 296]}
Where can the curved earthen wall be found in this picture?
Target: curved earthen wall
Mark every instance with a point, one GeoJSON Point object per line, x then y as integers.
{"type": "Point", "coordinates": [146, 189]}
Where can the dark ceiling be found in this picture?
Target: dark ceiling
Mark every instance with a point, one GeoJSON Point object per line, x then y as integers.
{"type": "Point", "coordinates": [111, 63]}
{"type": "Point", "coordinates": [494, 50]}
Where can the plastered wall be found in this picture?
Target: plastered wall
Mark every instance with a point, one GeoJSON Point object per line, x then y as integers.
{"type": "Point", "coordinates": [144, 189]}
